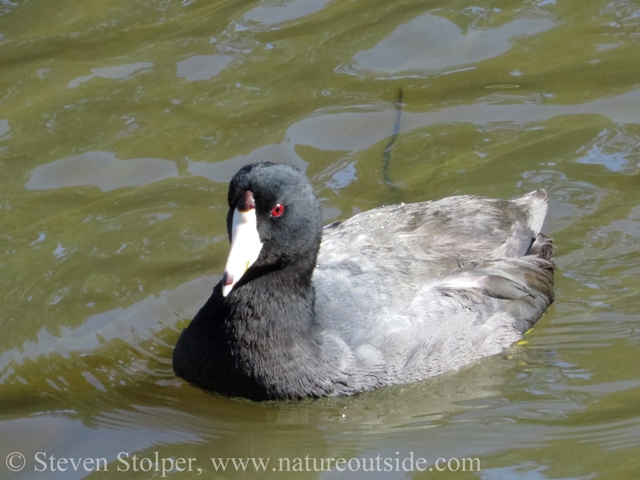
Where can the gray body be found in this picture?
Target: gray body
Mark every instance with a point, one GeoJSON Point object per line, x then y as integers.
{"type": "Point", "coordinates": [430, 287]}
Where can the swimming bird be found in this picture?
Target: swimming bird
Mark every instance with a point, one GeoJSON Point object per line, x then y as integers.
{"type": "Point", "coordinates": [392, 295]}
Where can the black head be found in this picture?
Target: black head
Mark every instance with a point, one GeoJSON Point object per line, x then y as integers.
{"type": "Point", "coordinates": [289, 220]}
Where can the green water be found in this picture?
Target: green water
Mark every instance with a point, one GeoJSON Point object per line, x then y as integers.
{"type": "Point", "coordinates": [121, 123]}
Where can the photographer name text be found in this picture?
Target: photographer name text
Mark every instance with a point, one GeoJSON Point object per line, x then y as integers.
{"type": "Point", "coordinates": [154, 462]}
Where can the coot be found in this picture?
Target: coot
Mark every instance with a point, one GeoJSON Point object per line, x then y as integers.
{"type": "Point", "coordinates": [392, 295]}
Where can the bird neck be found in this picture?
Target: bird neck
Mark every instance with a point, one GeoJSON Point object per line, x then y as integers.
{"type": "Point", "coordinates": [274, 337]}
{"type": "Point", "coordinates": [273, 312]}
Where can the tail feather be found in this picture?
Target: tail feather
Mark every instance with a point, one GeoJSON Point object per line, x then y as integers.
{"type": "Point", "coordinates": [542, 247]}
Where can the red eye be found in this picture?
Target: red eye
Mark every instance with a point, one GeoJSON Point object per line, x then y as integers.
{"type": "Point", "coordinates": [277, 210]}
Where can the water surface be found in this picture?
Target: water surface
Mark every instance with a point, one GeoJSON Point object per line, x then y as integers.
{"type": "Point", "coordinates": [121, 124]}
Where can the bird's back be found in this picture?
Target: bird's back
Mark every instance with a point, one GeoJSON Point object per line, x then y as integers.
{"type": "Point", "coordinates": [410, 291]}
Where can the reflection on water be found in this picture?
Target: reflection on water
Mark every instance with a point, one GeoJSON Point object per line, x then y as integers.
{"type": "Point", "coordinates": [4, 129]}
{"type": "Point", "coordinates": [100, 169]}
{"type": "Point", "coordinates": [222, 172]}
{"type": "Point", "coordinates": [615, 149]}
{"type": "Point", "coordinates": [116, 72]}
{"type": "Point", "coordinates": [361, 130]}
{"type": "Point", "coordinates": [202, 67]}
{"type": "Point", "coordinates": [272, 12]}
{"type": "Point", "coordinates": [445, 44]}
{"type": "Point", "coordinates": [159, 105]}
